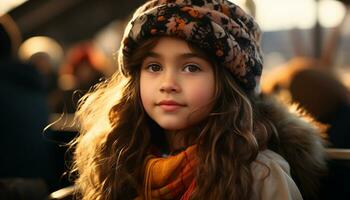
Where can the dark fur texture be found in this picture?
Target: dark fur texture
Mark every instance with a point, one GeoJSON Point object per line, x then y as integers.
{"type": "Point", "coordinates": [299, 141]}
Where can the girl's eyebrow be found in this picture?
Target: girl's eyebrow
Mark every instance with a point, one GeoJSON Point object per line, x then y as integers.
{"type": "Point", "coordinates": [153, 55]}
{"type": "Point", "coordinates": [181, 56]}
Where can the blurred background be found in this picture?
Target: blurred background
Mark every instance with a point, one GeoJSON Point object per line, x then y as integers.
{"type": "Point", "coordinates": [53, 51]}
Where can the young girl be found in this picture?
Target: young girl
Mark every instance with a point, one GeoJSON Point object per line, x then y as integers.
{"type": "Point", "coordinates": [183, 117]}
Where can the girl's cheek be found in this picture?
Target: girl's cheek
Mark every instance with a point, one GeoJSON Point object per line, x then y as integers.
{"type": "Point", "coordinates": [145, 92]}
{"type": "Point", "coordinates": [202, 95]}
{"type": "Point", "coordinates": [206, 88]}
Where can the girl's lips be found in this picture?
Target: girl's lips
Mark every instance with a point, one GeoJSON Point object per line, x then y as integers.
{"type": "Point", "coordinates": [170, 108]}
{"type": "Point", "coordinates": [170, 105]}
{"type": "Point", "coordinates": [169, 102]}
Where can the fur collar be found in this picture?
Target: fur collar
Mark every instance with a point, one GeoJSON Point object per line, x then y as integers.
{"type": "Point", "coordinates": [299, 141]}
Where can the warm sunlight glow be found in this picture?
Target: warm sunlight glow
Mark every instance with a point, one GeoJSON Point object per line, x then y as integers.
{"type": "Point", "coordinates": [273, 15]}
{"type": "Point", "coordinates": [331, 13]}
{"type": "Point", "coordinates": [7, 5]}
{"type": "Point", "coordinates": [40, 44]}
{"type": "Point", "coordinates": [285, 14]}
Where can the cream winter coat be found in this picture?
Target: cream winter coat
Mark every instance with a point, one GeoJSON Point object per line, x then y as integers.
{"type": "Point", "coordinates": [295, 162]}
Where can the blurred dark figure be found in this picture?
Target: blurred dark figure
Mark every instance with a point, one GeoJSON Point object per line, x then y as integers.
{"type": "Point", "coordinates": [321, 94]}
{"type": "Point", "coordinates": [82, 68]}
{"type": "Point", "coordinates": [327, 99]}
{"type": "Point", "coordinates": [318, 91]}
{"type": "Point", "coordinates": [27, 158]}
{"type": "Point", "coordinates": [44, 64]}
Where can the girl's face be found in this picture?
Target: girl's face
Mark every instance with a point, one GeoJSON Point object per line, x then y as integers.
{"type": "Point", "coordinates": [177, 86]}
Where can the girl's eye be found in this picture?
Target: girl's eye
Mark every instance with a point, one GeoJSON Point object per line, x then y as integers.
{"type": "Point", "coordinates": [192, 68]}
{"type": "Point", "coordinates": [154, 67]}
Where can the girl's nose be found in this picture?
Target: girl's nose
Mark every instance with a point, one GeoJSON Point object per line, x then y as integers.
{"type": "Point", "coordinates": [169, 83]}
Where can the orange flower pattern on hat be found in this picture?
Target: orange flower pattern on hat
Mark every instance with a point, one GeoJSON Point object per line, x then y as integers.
{"type": "Point", "coordinates": [219, 27]}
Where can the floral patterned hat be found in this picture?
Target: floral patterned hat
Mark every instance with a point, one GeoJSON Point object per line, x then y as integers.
{"type": "Point", "coordinates": [218, 27]}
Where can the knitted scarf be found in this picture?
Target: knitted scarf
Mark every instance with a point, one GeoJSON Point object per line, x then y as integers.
{"type": "Point", "coordinates": [171, 177]}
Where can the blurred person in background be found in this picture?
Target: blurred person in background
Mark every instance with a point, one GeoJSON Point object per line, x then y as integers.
{"type": "Point", "coordinates": [43, 62]}
{"type": "Point", "coordinates": [82, 68]}
{"type": "Point", "coordinates": [28, 166]}
{"type": "Point", "coordinates": [325, 97]}
{"type": "Point", "coordinates": [45, 54]}
{"type": "Point", "coordinates": [320, 93]}
{"type": "Point", "coordinates": [317, 90]}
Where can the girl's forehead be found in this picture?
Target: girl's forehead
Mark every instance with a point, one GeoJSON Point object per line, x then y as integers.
{"type": "Point", "coordinates": [175, 47]}
{"type": "Point", "coordinates": [166, 44]}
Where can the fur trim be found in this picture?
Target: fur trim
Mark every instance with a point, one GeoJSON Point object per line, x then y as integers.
{"type": "Point", "coordinates": [299, 141]}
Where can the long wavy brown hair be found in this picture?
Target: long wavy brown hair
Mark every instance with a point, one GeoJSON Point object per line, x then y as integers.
{"type": "Point", "coordinates": [116, 134]}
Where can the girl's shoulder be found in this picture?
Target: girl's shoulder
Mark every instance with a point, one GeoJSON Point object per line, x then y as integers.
{"type": "Point", "coordinates": [272, 179]}
{"type": "Point", "coordinates": [268, 159]}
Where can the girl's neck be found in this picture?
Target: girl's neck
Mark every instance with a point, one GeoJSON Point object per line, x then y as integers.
{"type": "Point", "coordinates": [176, 140]}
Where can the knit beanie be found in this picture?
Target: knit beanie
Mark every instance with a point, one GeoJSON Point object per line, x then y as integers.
{"type": "Point", "coordinates": [218, 27]}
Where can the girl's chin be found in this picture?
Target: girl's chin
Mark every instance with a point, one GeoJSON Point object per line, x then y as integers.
{"type": "Point", "coordinates": [171, 123]}
{"type": "Point", "coordinates": [177, 126]}
{"type": "Point", "coordinates": [173, 127]}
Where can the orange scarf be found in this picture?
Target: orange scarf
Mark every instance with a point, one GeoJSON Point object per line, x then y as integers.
{"type": "Point", "coordinates": [171, 177]}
